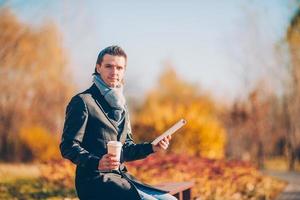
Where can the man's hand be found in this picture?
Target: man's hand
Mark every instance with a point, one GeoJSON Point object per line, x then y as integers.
{"type": "Point", "coordinates": [163, 144]}
{"type": "Point", "coordinates": [108, 162]}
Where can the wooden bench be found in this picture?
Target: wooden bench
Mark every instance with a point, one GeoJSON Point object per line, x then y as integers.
{"type": "Point", "coordinates": [180, 190]}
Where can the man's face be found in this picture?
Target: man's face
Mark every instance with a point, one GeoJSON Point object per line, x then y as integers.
{"type": "Point", "coordinates": [112, 69]}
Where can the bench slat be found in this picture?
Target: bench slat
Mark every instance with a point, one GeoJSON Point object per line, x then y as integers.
{"type": "Point", "coordinates": [175, 187]}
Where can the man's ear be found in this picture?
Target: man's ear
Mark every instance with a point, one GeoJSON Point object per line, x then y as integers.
{"type": "Point", "coordinates": [98, 68]}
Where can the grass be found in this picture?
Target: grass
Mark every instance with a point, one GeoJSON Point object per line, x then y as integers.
{"type": "Point", "coordinates": [279, 164]}
{"type": "Point", "coordinates": [33, 189]}
{"type": "Point", "coordinates": [23, 181]}
{"type": "Point", "coordinates": [10, 172]}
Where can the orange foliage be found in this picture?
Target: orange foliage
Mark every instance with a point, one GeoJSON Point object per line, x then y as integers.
{"type": "Point", "coordinates": [41, 143]}
{"type": "Point", "coordinates": [35, 86]}
{"type": "Point", "coordinates": [174, 99]}
{"type": "Point", "coordinates": [60, 172]}
{"type": "Point", "coordinates": [214, 179]}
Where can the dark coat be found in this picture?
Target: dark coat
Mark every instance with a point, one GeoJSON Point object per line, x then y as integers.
{"type": "Point", "coordinates": [87, 130]}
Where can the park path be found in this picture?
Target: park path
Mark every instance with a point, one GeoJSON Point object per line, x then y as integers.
{"type": "Point", "coordinates": [292, 190]}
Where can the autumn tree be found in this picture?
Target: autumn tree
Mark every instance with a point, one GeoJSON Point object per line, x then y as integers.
{"type": "Point", "coordinates": [34, 85]}
{"type": "Point", "coordinates": [254, 125]}
{"type": "Point", "coordinates": [292, 97]}
{"type": "Point", "coordinates": [173, 99]}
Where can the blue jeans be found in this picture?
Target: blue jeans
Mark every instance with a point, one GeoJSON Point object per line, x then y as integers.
{"type": "Point", "coordinates": [148, 194]}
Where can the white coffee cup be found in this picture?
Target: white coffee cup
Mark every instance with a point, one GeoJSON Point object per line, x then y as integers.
{"type": "Point", "coordinates": [114, 147]}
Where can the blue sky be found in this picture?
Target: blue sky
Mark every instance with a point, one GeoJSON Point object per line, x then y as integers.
{"type": "Point", "coordinates": [223, 46]}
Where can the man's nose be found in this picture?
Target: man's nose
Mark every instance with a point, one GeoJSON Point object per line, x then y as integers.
{"type": "Point", "coordinates": [114, 70]}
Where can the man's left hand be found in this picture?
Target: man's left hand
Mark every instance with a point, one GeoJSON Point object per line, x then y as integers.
{"type": "Point", "coordinates": [163, 144]}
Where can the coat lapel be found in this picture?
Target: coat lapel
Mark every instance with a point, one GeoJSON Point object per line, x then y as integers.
{"type": "Point", "coordinates": [108, 120]}
{"type": "Point", "coordinates": [96, 96]}
{"type": "Point", "coordinates": [126, 128]}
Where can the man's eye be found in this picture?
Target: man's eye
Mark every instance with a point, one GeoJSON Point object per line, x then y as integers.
{"type": "Point", "coordinates": [119, 68]}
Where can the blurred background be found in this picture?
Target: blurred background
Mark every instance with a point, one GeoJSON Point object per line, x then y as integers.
{"type": "Point", "coordinates": [231, 69]}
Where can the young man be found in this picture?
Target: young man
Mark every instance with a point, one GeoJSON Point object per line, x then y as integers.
{"type": "Point", "coordinates": [93, 118]}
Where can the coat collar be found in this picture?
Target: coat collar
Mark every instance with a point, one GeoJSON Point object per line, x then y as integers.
{"type": "Point", "coordinates": [97, 96]}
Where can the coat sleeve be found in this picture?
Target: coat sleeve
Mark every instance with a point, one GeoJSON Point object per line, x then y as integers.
{"type": "Point", "coordinates": [73, 133]}
{"type": "Point", "coordinates": [132, 151]}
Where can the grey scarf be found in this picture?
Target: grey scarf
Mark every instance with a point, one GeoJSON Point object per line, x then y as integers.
{"type": "Point", "coordinates": [113, 96]}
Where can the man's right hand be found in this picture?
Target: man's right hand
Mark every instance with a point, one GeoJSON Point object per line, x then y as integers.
{"type": "Point", "coordinates": [108, 162]}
